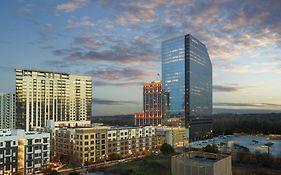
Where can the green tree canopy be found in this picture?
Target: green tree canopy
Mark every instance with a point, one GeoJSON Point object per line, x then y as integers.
{"type": "Point", "coordinates": [213, 148]}
{"type": "Point", "coordinates": [74, 173]}
{"type": "Point", "coordinates": [166, 148]}
{"type": "Point", "coordinates": [114, 156]}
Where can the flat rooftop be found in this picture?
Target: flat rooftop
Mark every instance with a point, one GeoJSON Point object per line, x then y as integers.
{"type": "Point", "coordinates": [200, 157]}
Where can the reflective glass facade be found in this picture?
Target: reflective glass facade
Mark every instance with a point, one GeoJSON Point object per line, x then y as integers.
{"type": "Point", "coordinates": [187, 77]}
{"type": "Point", "coordinates": [173, 74]}
{"type": "Point", "coordinates": [199, 78]}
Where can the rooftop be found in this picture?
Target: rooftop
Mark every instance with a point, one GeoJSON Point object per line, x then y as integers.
{"type": "Point", "coordinates": [200, 157]}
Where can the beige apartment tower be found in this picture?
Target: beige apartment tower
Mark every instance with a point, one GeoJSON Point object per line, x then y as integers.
{"type": "Point", "coordinates": [43, 96]}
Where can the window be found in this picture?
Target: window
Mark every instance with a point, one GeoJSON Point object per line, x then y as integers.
{"type": "Point", "coordinates": [29, 164]}
{"type": "Point", "coordinates": [8, 144]}
{"type": "Point", "coordinates": [86, 137]}
{"type": "Point", "coordinates": [45, 140]}
{"type": "Point", "coordinates": [29, 141]}
{"type": "Point", "coordinates": [29, 157]}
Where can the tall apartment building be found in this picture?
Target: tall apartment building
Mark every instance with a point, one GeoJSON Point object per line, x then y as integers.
{"type": "Point", "coordinates": [154, 105]}
{"type": "Point", "coordinates": [187, 77]}
{"type": "Point", "coordinates": [43, 96]}
{"type": "Point", "coordinates": [23, 152]}
{"type": "Point", "coordinates": [7, 110]}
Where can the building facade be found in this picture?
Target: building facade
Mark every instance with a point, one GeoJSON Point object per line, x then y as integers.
{"type": "Point", "coordinates": [175, 136]}
{"type": "Point", "coordinates": [7, 111]}
{"type": "Point", "coordinates": [8, 153]}
{"type": "Point", "coordinates": [154, 105]}
{"type": "Point", "coordinates": [198, 163]}
{"type": "Point", "coordinates": [43, 96]}
{"type": "Point", "coordinates": [91, 144]}
{"type": "Point", "coordinates": [187, 77]}
{"type": "Point", "coordinates": [132, 141]}
{"type": "Point", "coordinates": [23, 152]}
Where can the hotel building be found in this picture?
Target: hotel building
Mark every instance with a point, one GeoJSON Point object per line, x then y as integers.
{"type": "Point", "coordinates": [154, 105]}
{"type": "Point", "coordinates": [187, 77]}
{"type": "Point", "coordinates": [43, 96]}
{"type": "Point", "coordinates": [7, 110]}
{"type": "Point", "coordinates": [23, 152]}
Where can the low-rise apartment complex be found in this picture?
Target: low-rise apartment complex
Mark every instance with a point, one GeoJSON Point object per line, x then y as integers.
{"type": "Point", "coordinates": [89, 144]}
{"type": "Point", "coordinates": [23, 152]}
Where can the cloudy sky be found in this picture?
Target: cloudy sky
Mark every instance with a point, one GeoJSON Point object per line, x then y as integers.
{"type": "Point", "coordinates": [118, 43]}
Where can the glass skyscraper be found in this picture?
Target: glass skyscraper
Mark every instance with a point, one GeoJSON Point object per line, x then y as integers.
{"type": "Point", "coordinates": [187, 77]}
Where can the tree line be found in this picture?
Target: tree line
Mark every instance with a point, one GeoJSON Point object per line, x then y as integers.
{"type": "Point", "coordinates": [247, 123]}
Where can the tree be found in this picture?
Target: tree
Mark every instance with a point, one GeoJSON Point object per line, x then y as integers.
{"type": "Point", "coordinates": [213, 148]}
{"type": "Point", "coordinates": [166, 148]}
{"type": "Point", "coordinates": [114, 156]}
{"type": "Point", "coordinates": [49, 171]}
{"type": "Point", "coordinates": [52, 172]}
{"type": "Point", "coordinates": [74, 173]}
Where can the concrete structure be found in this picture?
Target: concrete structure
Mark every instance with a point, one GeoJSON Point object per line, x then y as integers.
{"type": "Point", "coordinates": [43, 96]}
{"type": "Point", "coordinates": [153, 105]}
{"type": "Point", "coordinates": [7, 111]}
{"type": "Point", "coordinates": [175, 136]}
{"type": "Point", "coordinates": [23, 152]}
{"type": "Point", "coordinates": [53, 124]}
{"type": "Point", "coordinates": [187, 77]}
{"type": "Point", "coordinates": [198, 163]}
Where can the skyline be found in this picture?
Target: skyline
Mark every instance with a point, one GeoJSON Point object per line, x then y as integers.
{"type": "Point", "coordinates": [119, 44]}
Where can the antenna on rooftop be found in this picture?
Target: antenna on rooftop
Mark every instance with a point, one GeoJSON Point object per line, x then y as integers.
{"type": "Point", "coordinates": [158, 77]}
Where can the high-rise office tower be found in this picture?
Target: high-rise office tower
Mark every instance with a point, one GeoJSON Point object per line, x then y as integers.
{"type": "Point", "coordinates": [154, 105]}
{"type": "Point", "coordinates": [7, 110]}
{"type": "Point", "coordinates": [187, 76]}
{"type": "Point", "coordinates": [43, 96]}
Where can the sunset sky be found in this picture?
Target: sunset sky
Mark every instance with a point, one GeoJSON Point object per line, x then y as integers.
{"type": "Point", "coordinates": [119, 42]}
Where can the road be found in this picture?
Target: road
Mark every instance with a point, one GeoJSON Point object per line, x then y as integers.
{"type": "Point", "coordinates": [99, 165]}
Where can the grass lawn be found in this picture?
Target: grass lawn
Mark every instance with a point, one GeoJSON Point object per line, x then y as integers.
{"type": "Point", "coordinates": [152, 165]}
